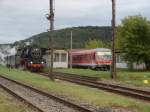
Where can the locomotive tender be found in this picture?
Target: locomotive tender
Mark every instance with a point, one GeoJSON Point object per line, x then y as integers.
{"type": "Point", "coordinates": [99, 59]}
{"type": "Point", "coordinates": [30, 58]}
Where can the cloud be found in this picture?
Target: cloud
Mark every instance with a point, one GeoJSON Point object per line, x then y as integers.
{"type": "Point", "coordinates": [20, 19]}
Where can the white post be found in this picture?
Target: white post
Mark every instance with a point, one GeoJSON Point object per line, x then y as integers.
{"type": "Point", "coordinates": [71, 51]}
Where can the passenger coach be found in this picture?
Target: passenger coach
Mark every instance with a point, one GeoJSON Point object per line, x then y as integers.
{"type": "Point", "coordinates": [99, 59]}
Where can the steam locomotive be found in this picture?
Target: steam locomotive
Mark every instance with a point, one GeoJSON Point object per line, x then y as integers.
{"type": "Point", "coordinates": [30, 58]}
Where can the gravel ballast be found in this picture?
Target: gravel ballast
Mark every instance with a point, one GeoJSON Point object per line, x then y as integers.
{"type": "Point", "coordinates": [43, 102]}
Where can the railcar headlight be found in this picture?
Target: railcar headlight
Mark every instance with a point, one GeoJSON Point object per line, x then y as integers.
{"type": "Point", "coordinates": [31, 62]}
{"type": "Point", "coordinates": [42, 62]}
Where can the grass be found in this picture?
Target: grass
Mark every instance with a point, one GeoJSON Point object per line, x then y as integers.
{"type": "Point", "coordinates": [80, 93]}
{"type": "Point", "coordinates": [8, 105]}
{"type": "Point", "coordinates": [124, 76]}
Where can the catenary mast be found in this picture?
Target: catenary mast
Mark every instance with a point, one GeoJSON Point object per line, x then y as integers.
{"type": "Point", "coordinates": [50, 17]}
{"type": "Point", "coordinates": [113, 69]}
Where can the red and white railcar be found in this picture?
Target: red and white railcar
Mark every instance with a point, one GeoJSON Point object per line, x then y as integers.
{"type": "Point", "coordinates": [100, 58]}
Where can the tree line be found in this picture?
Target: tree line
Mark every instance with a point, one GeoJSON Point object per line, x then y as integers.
{"type": "Point", "coordinates": [133, 40]}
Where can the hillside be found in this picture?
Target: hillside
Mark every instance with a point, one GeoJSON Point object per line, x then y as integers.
{"type": "Point", "coordinates": [61, 37]}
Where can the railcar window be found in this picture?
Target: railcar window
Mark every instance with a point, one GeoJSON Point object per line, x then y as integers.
{"type": "Point", "coordinates": [87, 57]}
{"type": "Point", "coordinates": [107, 57]}
{"type": "Point", "coordinates": [103, 55]}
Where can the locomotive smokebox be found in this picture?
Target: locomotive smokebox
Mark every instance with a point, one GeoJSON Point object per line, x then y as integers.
{"type": "Point", "coordinates": [36, 53]}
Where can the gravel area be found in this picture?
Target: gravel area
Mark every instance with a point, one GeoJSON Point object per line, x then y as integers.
{"type": "Point", "coordinates": [43, 102]}
{"type": "Point", "coordinates": [13, 100]}
{"type": "Point", "coordinates": [50, 105]}
{"type": "Point", "coordinates": [93, 107]}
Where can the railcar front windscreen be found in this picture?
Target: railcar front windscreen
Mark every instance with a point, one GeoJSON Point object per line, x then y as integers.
{"type": "Point", "coordinates": [103, 56]}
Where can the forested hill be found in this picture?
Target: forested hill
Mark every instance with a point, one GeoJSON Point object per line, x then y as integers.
{"type": "Point", "coordinates": [61, 37]}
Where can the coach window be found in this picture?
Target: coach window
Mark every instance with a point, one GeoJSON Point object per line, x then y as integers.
{"type": "Point", "coordinates": [63, 57]}
{"type": "Point", "coordinates": [56, 57]}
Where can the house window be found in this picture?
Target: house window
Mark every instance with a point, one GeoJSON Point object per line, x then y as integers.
{"type": "Point", "coordinates": [63, 57]}
{"type": "Point", "coordinates": [56, 57]}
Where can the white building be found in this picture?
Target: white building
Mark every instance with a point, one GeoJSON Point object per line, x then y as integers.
{"type": "Point", "coordinates": [120, 63]}
{"type": "Point", "coordinates": [60, 58]}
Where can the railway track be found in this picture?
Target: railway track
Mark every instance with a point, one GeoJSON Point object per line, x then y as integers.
{"type": "Point", "coordinates": [93, 82]}
{"type": "Point", "coordinates": [41, 100]}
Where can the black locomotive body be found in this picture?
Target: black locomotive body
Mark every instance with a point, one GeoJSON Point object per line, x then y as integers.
{"type": "Point", "coordinates": [30, 58]}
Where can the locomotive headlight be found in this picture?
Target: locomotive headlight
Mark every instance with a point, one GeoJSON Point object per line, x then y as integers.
{"type": "Point", "coordinates": [31, 62]}
{"type": "Point", "coordinates": [42, 62]}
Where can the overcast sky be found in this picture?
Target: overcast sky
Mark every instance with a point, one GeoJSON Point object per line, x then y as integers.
{"type": "Point", "coordinates": [20, 19]}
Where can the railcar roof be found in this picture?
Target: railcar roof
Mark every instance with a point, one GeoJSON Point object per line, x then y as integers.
{"type": "Point", "coordinates": [103, 49]}
{"type": "Point", "coordinates": [97, 49]}
{"type": "Point", "coordinates": [91, 50]}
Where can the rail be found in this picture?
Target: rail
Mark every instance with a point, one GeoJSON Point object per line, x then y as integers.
{"type": "Point", "coordinates": [56, 98]}
{"type": "Point", "coordinates": [123, 90]}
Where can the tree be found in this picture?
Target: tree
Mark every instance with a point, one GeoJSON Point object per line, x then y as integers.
{"type": "Point", "coordinates": [135, 39]}
{"type": "Point", "coordinates": [96, 44]}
